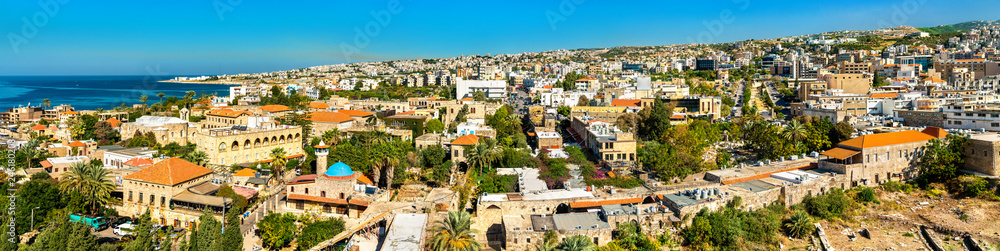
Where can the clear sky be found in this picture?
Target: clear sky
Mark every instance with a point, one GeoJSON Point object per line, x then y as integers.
{"type": "Point", "coordinates": [235, 36]}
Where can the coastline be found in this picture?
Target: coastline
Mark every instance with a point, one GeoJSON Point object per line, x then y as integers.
{"type": "Point", "coordinates": [212, 82]}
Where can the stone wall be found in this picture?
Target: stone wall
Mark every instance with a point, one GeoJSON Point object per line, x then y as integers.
{"type": "Point", "coordinates": [225, 149]}
{"type": "Point", "coordinates": [982, 156]}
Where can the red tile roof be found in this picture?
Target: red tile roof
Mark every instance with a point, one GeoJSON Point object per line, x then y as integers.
{"type": "Point", "coordinates": [626, 102]}
{"type": "Point", "coordinates": [77, 144]}
{"type": "Point", "coordinates": [936, 132]}
{"type": "Point", "coordinates": [586, 204]}
{"type": "Point", "coordinates": [170, 172]}
{"type": "Point", "coordinates": [245, 172]}
{"type": "Point", "coordinates": [226, 113]}
{"type": "Point", "coordinates": [318, 105]}
{"type": "Point", "coordinates": [292, 196]}
{"type": "Point", "coordinates": [355, 113]}
{"type": "Point", "coordinates": [887, 139]}
{"type": "Point", "coordinates": [466, 140]}
{"type": "Point", "coordinates": [114, 122]}
{"type": "Point", "coordinates": [275, 108]}
{"type": "Point", "coordinates": [329, 117]}
{"type": "Point", "coordinates": [38, 127]}
{"type": "Point", "coordinates": [140, 162]}
{"type": "Point", "coordinates": [884, 95]}
{"type": "Point", "coordinates": [46, 164]}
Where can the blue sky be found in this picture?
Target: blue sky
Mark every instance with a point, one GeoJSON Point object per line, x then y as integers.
{"type": "Point", "coordinates": [235, 36]}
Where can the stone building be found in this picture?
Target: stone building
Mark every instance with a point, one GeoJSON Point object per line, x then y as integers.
{"type": "Point", "coordinates": [333, 190]}
{"type": "Point", "coordinates": [603, 139]}
{"type": "Point", "coordinates": [920, 118]}
{"type": "Point", "coordinates": [458, 147]}
{"type": "Point", "coordinates": [872, 159]}
{"type": "Point", "coordinates": [167, 129]}
{"type": "Point", "coordinates": [175, 191]}
{"type": "Point", "coordinates": [228, 146]}
{"type": "Point", "coordinates": [117, 158]}
{"type": "Point", "coordinates": [982, 154]}
{"type": "Point", "coordinates": [219, 118]}
{"type": "Point", "coordinates": [525, 232]}
{"type": "Point", "coordinates": [327, 121]}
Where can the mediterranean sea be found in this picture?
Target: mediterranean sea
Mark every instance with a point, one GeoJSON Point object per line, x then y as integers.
{"type": "Point", "coordinates": [92, 92]}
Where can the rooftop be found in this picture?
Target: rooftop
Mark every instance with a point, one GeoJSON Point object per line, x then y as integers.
{"type": "Point", "coordinates": [171, 172]}
{"type": "Point", "coordinates": [405, 233]}
{"type": "Point", "coordinates": [157, 121]}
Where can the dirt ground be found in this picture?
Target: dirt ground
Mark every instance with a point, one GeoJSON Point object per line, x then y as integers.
{"type": "Point", "coordinates": [894, 223]}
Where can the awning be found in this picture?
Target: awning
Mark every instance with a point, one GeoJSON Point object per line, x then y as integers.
{"type": "Point", "coordinates": [209, 200]}
{"type": "Point", "coordinates": [840, 153]}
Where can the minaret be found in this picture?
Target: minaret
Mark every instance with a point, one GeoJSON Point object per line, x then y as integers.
{"type": "Point", "coordinates": [185, 114]}
{"type": "Point", "coordinates": [322, 150]}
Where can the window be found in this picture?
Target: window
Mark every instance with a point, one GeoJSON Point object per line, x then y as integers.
{"type": "Point", "coordinates": [140, 197]}
{"type": "Point", "coordinates": [163, 200]}
{"type": "Point", "coordinates": [293, 189]}
{"type": "Point", "coordinates": [958, 122]}
{"type": "Point", "coordinates": [152, 199]}
{"type": "Point", "coordinates": [129, 195]}
{"type": "Point", "coordinates": [994, 124]}
{"type": "Point", "coordinates": [322, 194]}
{"type": "Point", "coordinates": [307, 190]}
{"type": "Point", "coordinates": [342, 196]}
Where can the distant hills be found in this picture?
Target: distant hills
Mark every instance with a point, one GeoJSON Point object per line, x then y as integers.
{"type": "Point", "coordinates": [964, 26]}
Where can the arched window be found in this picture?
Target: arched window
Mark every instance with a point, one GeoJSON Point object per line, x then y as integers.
{"type": "Point", "coordinates": [307, 190]}
{"type": "Point", "coordinates": [281, 140]}
{"type": "Point", "coordinates": [235, 146]}
{"type": "Point", "coordinates": [222, 147]}
{"type": "Point", "coordinates": [322, 194]}
{"type": "Point", "coordinates": [246, 144]}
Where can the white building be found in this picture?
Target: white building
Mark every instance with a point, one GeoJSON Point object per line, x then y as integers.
{"type": "Point", "coordinates": [492, 88]}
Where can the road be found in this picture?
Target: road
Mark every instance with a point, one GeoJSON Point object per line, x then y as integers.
{"type": "Point", "coordinates": [273, 203]}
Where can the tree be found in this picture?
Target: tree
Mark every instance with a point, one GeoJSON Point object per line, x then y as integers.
{"type": "Point", "coordinates": [628, 122]}
{"type": "Point", "coordinates": [104, 131]}
{"type": "Point", "coordinates": [840, 132]}
{"type": "Point", "coordinates": [658, 121]}
{"type": "Point", "coordinates": [90, 180]}
{"type": "Point", "coordinates": [143, 99]}
{"type": "Point", "coordinates": [584, 101]}
{"type": "Point", "coordinates": [278, 163]}
{"type": "Point", "coordinates": [454, 233]}
{"type": "Point", "coordinates": [576, 243]}
{"type": "Point", "coordinates": [142, 229]}
{"type": "Point", "coordinates": [40, 192]}
{"type": "Point", "coordinates": [940, 159]}
{"type": "Point", "coordinates": [434, 126]}
{"type": "Point", "coordinates": [563, 110]}
{"type": "Point", "coordinates": [197, 157]}
{"type": "Point", "coordinates": [479, 96]}
{"type": "Point", "coordinates": [277, 230]}
{"type": "Point", "coordinates": [47, 103]}
{"type": "Point", "coordinates": [799, 225]}
{"type": "Point", "coordinates": [877, 81]}
{"type": "Point", "coordinates": [316, 232]}
{"type": "Point", "coordinates": [160, 95]}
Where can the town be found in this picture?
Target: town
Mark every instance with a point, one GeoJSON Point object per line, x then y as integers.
{"type": "Point", "coordinates": [883, 139]}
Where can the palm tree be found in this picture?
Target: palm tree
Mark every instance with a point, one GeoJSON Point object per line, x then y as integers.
{"type": "Point", "coordinates": [332, 137]}
{"type": "Point", "coordinates": [576, 243]}
{"type": "Point", "coordinates": [799, 225]}
{"type": "Point", "coordinates": [197, 157]}
{"type": "Point", "coordinates": [278, 163]}
{"type": "Point", "coordinates": [92, 181]}
{"type": "Point", "coordinates": [47, 103]}
{"type": "Point", "coordinates": [143, 99]}
{"type": "Point", "coordinates": [160, 95]}
{"type": "Point", "coordinates": [385, 164]}
{"type": "Point", "coordinates": [454, 233]}
{"type": "Point", "coordinates": [795, 131]}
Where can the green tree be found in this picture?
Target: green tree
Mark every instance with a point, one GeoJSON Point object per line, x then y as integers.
{"type": "Point", "coordinates": [278, 160]}
{"type": "Point", "coordinates": [576, 243]}
{"type": "Point", "coordinates": [840, 132]}
{"type": "Point", "coordinates": [197, 157]}
{"type": "Point", "coordinates": [47, 103]}
{"type": "Point", "coordinates": [319, 231]}
{"type": "Point", "coordinates": [799, 225]}
{"type": "Point", "coordinates": [564, 110]}
{"type": "Point", "coordinates": [654, 126]}
{"type": "Point", "coordinates": [940, 159]}
{"type": "Point", "coordinates": [277, 230]}
{"type": "Point", "coordinates": [454, 233]}
{"type": "Point", "coordinates": [160, 95]}
{"type": "Point", "coordinates": [90, 180]}
{"type": "Point", "coordinates": [479, 96]}
{"type": "Point", "coordinates": [583, 101]}
{"type": "Point", "coordinates": [142, 230]}
{"type": "Point", "coordinates": [434, 126]}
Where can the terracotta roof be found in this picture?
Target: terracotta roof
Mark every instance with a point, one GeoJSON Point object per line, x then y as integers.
{"type": "Point", "coordinates": [887, 139]}
{"type": "Point", "coordinates": [355, 113]}
{"type": "Point", "coordinates": [364, 179]}
{"type": "Point", "coordinates": [77, 144]}
{"type": "Point", "coordinates": [677, 116]}
{"type": "Point", "coordinates": [596, 120]}
{"type": "Point", "coordinates": [840, 153]}
{"type": "Point", "coordinates": [139, 162]}
{"type": "Point", "coordinates": [971, 60]}
{"type": "Point", "coordinates": [304, 179]}
{"type": "Point", "coordinates": [466, 140]}
{"type": "Point", "coordinates": [292, 196]}
{"type": "Point", "coordinates": [318, 105]}
{"type": "Point", "coordinates": [586, 204]}
{"type": "Point", "coordinates": [114, 122]}
{"type": "Point", "coordinates": [585, 79]}
{"type": "Point", "coordinates": [245, 172]}
{"type": "Point", "coordinates": [884, 95]}
{"type": "Point", "coordinates": [364, 203]}
{"type": "Point", "coordinates": [203, 102]}
{"type": "Point", "coordinates": [275, 108]}
{"type": "Point", "coordinates": [935, 80]}
{"type": "Point", "coordinates": [626, 102]}
{"type": "Point", "coordinates": [171, 172]}
{"type": "Point", "coordinates": [936, 132]}
{"type": "Point", "coordinates": [46, 163]}
{"type": "Point", "coordinates": [406, 113]}
{"type": "Point", "coordinates": [226, 113]}
{"type": "Point", "coordinates": [466, 99]}
{"type": "Point", "coordinates": [547, 86]}
{"type": "Point", "coordinates": [329, 117]}
{"type": "Point", "coordinates": [38, 127]}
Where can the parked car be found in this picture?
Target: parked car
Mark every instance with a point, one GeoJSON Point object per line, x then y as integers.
{"type": "Point", "coordinates": [124, 229]}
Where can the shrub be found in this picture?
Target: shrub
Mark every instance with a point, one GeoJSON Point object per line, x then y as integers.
{"type": "Point", "coordinates": [866, 195]}
{"type": "Point", "coordinates": [896, 186]}
{"type": "Point", "coordinates": [828, 206]}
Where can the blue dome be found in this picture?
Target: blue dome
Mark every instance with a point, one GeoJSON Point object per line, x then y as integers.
{"type": "Point", "coordinates": [339, 169]}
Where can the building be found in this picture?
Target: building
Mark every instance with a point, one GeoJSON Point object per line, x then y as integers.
{"type": "Point", "coordinates": [334, 190]}
{"type": "Point", "coordinates": [855, 68]}
{"type": "Point", "coordinates": [849, 83]}
{"type": "Point", "coordinates": [604, 140]}
{"type": "Point", "coordinates": [175, 191]}
{"type": "Point", "coordinates": [229, 146]}
{"type": "Point", "coordinates": [525, 232]}
{"type": "Point", "coordinates": [872, 159]}
{"type": "Point", "coordinates": [118, 158]}
{"type": "Point", "coordinates": [59, 166]}
{"type": "Point", "coordinates": [705, 64]}
{"type": "Point", "coordinates": [406, 233]}
{"type": "Point", "coordinates": [980, 67]}
{"type": "Point", "coordinates": [166, 129]}
{"type": "Point", "coordinates": [21, 114]}
{"type": "Point", "coordinates": [323, 121]}
{"type": "Point", "coordinates": [982, 154]}
{"type": "Point", "coordinates": [492, 88]}
{"type": "Point", "coordinates": [458, 147]}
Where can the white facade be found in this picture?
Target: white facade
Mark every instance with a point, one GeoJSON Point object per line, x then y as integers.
{"type": "Point", "coordinates": [492, 88]}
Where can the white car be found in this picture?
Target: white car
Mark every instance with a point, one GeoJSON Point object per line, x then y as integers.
{"type": "Point", "coordinates": [123, 229]}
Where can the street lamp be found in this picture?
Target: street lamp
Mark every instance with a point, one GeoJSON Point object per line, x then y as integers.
{"type": "Point", "coordinates": [33, 218]}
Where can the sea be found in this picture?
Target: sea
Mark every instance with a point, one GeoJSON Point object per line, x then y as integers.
{"type": "Point", "coordinates": [92, 92]}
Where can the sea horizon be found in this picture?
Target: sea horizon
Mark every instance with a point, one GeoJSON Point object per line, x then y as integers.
{"type": "Point", "coordinates": [90, 92]}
